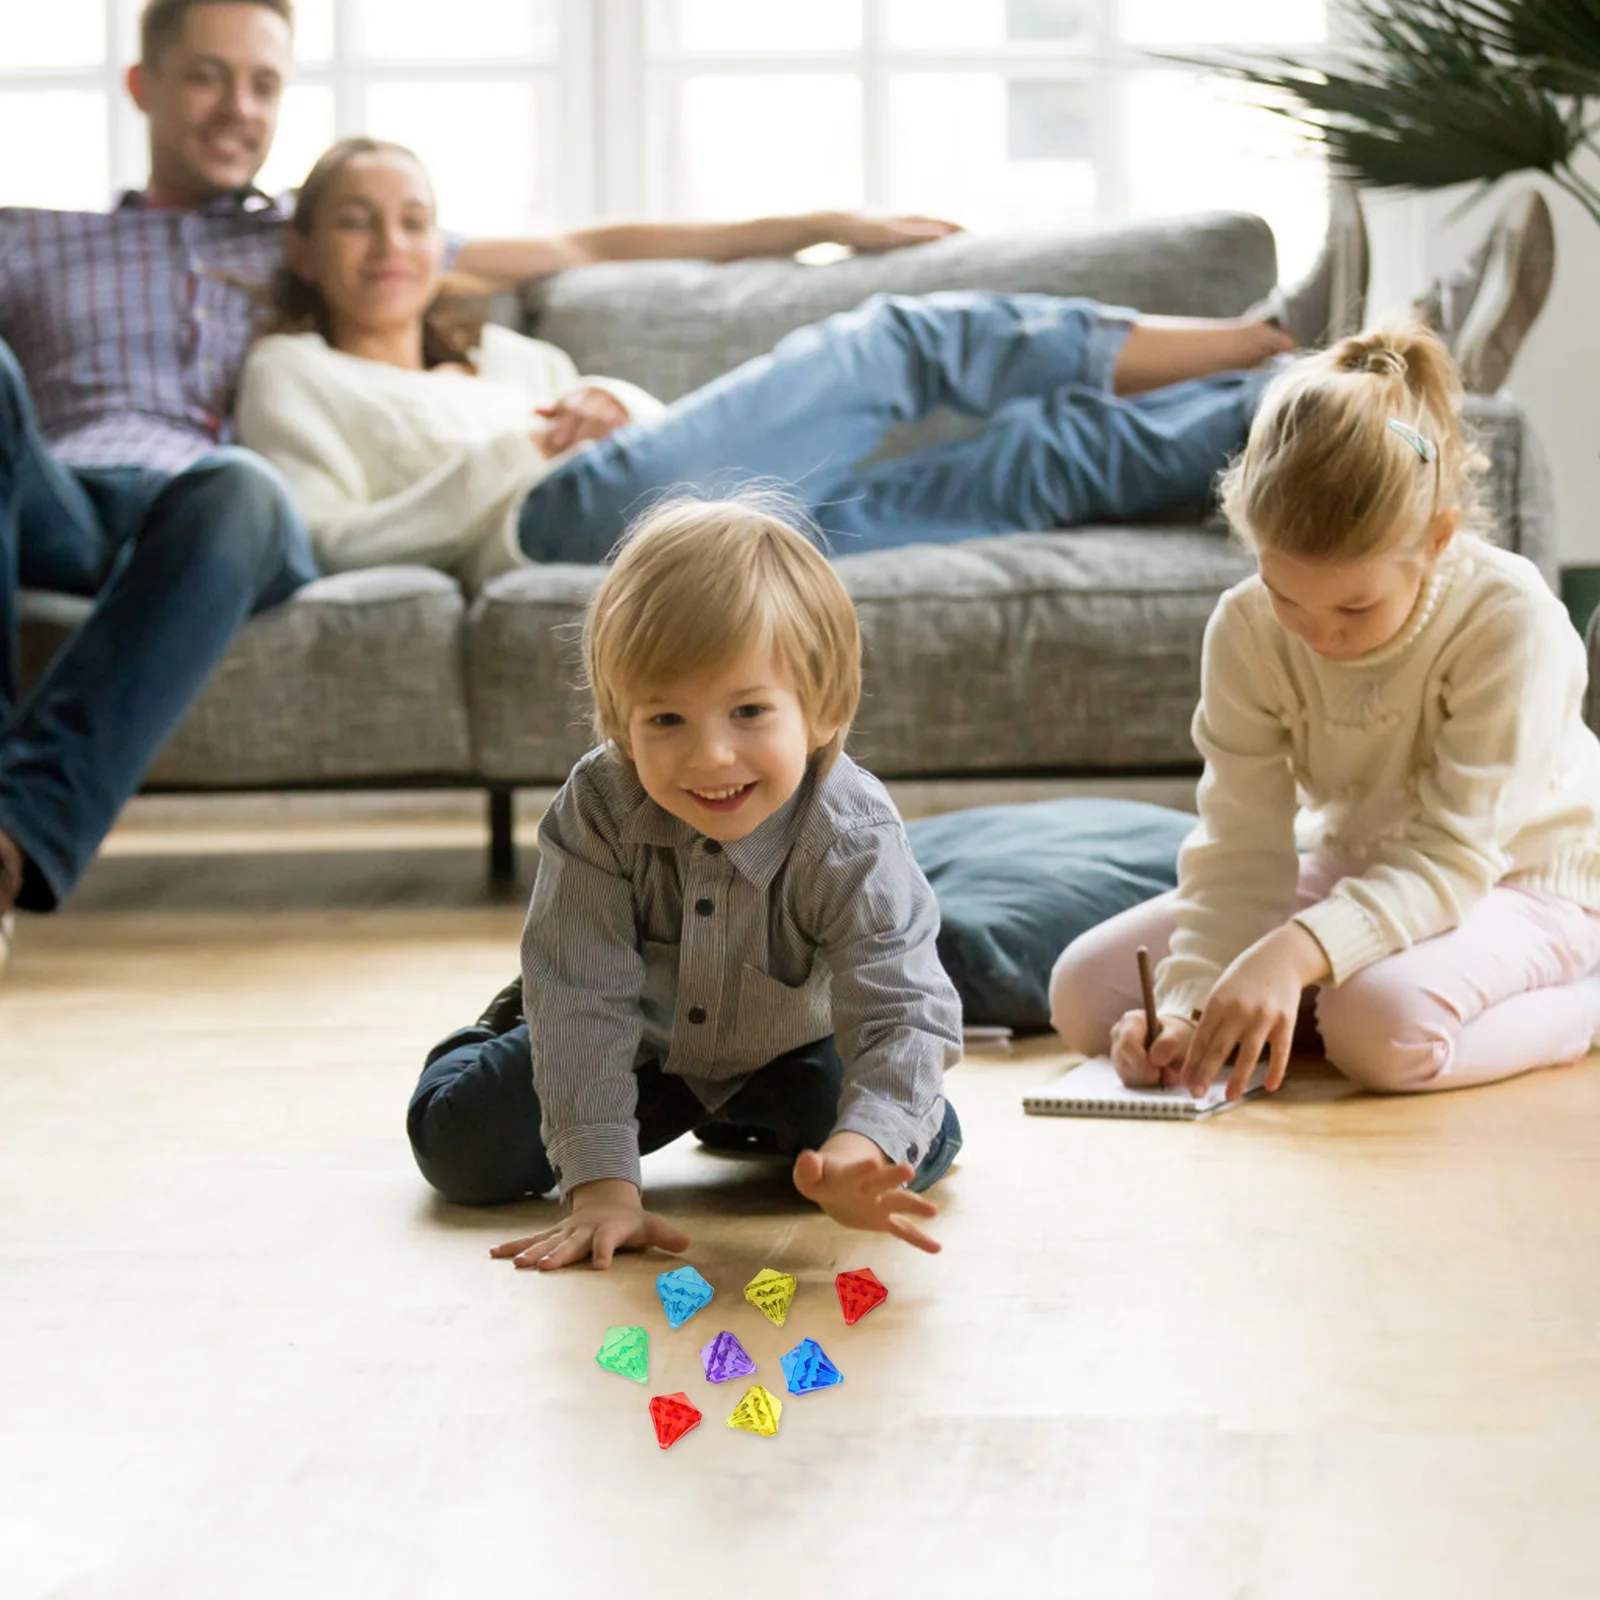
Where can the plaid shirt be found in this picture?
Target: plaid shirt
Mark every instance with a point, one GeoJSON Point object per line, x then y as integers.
{"type": "Point", "coordinates": [132, 325]}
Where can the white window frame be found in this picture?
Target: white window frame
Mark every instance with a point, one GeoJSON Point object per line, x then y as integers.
{"type": "Point", "coordinates": [609, 97]}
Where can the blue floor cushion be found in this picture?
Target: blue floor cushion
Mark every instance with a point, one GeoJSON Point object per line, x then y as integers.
{"type": "Point", "coordinates": [1017, 884]}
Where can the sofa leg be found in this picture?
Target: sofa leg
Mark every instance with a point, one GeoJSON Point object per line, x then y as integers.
{"type": "Point", "coordinates": [502, 836]}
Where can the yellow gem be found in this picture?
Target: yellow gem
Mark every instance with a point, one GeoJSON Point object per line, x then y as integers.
{"type": "Point", "coordinates": [758, 1412]}
{"type": "Point", "coordinates": [770, 1293]}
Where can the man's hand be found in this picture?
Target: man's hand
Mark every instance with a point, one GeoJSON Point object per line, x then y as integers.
{"type": "Point", "coordinates": [859, 1187]}
{"type": "Point", "coordinates": [1155, 1068]}
{"type": "Point", "coordinates": [606, 1217]}
{"type": "Point", "coordinates": [583, 414]}
{"type": "Point", "coordinates": [1254, 1007]}
{"type": "Point", "coordinates": [873, 235]}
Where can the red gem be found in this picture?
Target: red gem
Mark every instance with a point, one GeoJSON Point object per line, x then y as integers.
{"type": "Point", "coordinates": [859, 1292]}
{"type": "Point", "coordinates": [673, 1417]}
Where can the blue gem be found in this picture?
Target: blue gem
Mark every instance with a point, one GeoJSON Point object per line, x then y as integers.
{"type": "Point", "coordinates": [682, 1292]}
{"type": "Point", "coordinates": [806, 1368]}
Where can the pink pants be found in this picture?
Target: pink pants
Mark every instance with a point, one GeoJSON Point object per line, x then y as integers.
{"type": "Point", "coordinates": [1491, 998]}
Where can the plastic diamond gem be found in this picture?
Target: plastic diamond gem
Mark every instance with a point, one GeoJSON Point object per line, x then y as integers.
{"type": "Point", "coordinates": [758, 1412]}
{"type": "Point", "coordinates": [806, 1368]}
{"type": "Point", "coordinates": [682, 1292]}
{"type": "Point", "coordinates": [859, 1293]}
{"type": "Point", "coordinates": [770, 1293]}
{"type": "Point", "coordinates": [626, 1350]}
{"type": "Point", "coordinates": [674, 1416]}
{"type": "Point", "coordinates": [726, 1358]}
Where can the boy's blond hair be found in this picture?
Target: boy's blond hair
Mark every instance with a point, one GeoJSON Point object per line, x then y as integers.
{"type": "Point", "coordinates": [696, 584]}
{"type": "Point", "coordinates": [1356, 450]}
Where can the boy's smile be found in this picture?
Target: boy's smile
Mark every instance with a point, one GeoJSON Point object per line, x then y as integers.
{"type": "Point", "coordinates": [724, 799]}
{"type": "Point", "coordinates": [724, 750]}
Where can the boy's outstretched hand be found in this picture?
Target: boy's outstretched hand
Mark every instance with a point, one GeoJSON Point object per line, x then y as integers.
{"type": "Point", "coordinates": [606, 1217]}
{"type": "Point", "coordinates": [856, 1184]}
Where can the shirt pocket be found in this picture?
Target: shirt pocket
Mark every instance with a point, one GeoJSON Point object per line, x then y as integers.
{"type": "Point", "coordinates": [776, 1017]}
{"type": "Point", "coordinates": [659, 998]}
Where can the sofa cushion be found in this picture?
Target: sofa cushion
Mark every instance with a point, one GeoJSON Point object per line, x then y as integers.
{"type": "Point", "coordinates": [1028, 652]}
{"type": "Point", "coordinates": [674, 325]}
{"type": "Point", "coordinates": [1017, 884]}
{"type": "Point", "coordinates": [358, 676]}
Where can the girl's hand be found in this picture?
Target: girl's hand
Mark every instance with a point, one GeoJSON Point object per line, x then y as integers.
{"type": "Point", "coordinates": [583, 414]}
{"type": "Point", "coordinates": [856, 1184]}
{"type": "Point", "coordinates": [606, 1217]}
{"type": "Point", "coordinates": [1157, 1068]}
{"type": "Point", "coordinates": [1252, 1008]}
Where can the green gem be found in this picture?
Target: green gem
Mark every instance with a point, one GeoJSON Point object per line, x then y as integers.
{"type": "Point", "coordinates": [626, 1350]}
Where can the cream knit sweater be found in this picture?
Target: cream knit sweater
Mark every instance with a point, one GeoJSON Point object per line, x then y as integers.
{"type": "Point", "coordinates": [1451, 759]}
{"type": "Point", "coordinates": [390, 465]}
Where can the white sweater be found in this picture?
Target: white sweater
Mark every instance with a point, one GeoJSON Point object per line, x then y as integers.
{"type": "Point", "coordinates": [1449, 760]}
{"type": "Point", "coordinates": [390, 465]}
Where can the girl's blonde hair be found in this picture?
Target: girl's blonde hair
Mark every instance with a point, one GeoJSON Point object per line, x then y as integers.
{"type": "Point", "coordinates": [699, 583]}
{"type": "Point", "coordinates": [1355, 450]}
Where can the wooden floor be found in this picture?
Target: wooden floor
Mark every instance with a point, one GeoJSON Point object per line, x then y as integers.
{"type": "Point", "coordinates": [1325, 1347]}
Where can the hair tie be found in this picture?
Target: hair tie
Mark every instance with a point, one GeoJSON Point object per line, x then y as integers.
{"type": "Point", "coordinates": [1424, 446]}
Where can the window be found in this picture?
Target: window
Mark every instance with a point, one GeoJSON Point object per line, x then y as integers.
{"type": "Point", "coordinates": [1001, 113]}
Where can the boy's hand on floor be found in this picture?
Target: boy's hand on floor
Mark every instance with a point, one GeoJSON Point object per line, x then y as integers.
{"type": "Point", "coordinates": [1155, 1068]}
{"type": "Point", "coordinates": [857, 1185]}
{"type": "Point", "coordinates": [606, 1217]}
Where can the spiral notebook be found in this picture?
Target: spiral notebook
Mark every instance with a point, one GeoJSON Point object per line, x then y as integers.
{"type": "Point", "coordinates": [1093, 1089]}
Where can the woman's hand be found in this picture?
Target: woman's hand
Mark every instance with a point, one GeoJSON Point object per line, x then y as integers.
{"type": "Point", "coordinates": [583, 414]}
{"type": "Point", "coordinates": [1253, 1008]}
{"type": "Point", "coordinates": [873, 235]}
{"type": "Point", "coordinates": [606, 1217]}
{"type": "Point", "coordinates": [1158, 1067]}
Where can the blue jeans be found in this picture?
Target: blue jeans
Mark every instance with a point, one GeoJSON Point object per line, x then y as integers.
{"type": "Point", "coordinates": [1059, 448]}
{"type": "Point", "coordinates": [474, 1119]}
{"type": "Point", "coordinates": [175, 564]}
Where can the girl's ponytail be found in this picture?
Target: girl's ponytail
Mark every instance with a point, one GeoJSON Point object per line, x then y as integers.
{"type": "Point", "coordinates": [1355, 450]}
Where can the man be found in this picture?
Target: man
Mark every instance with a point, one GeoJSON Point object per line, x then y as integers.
{"type": "Point", "coordinates": [121, 337]}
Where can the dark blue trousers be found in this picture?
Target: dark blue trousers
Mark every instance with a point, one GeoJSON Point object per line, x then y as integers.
{"type": "Point", "coordinates": [175, 563]}
{"type": "Point", "coordinates": [474, 1119]}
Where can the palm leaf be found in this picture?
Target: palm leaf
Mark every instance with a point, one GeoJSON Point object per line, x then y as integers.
{"type": "Point", "coordinates": [1557, 40]}
{"type": "Point", "coordinates": [1411, 131]}
{"type": "Point", "coordinates": [1440, 92]}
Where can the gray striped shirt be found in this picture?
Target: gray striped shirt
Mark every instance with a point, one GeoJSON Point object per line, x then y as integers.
{"type": "Point", "coordinates": [647, 941]}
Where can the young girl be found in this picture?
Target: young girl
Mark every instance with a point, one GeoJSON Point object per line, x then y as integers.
{"type": "Point", "coordinates": [1416, 694]}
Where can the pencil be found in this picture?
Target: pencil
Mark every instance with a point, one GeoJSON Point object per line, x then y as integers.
{"type": "Point", "coordinates": [1152, 1025]}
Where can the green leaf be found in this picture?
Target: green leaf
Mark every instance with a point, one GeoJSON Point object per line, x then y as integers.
{"type": "Point", "coordinates": [1434, 93]}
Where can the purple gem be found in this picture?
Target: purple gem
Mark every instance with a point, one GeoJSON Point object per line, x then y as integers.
{"type": "Point", "coordinates": [726, 1358]}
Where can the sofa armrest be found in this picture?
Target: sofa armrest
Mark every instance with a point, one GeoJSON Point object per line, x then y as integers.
{"type": "Point", "coordinates": [1517, 489]}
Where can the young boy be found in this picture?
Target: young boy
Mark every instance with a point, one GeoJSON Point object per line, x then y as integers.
{"type": "Point", "coordinates": [728, 933]}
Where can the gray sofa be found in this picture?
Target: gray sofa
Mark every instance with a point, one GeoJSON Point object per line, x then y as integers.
{"type": "Point", "coordinates": [1059, 653]}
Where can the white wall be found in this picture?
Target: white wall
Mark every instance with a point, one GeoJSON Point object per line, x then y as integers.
{"type": "Point", "coordinates": [1557, 376]}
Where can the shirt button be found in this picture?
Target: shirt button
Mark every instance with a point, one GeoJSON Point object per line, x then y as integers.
{"type": "Point", "coordinates": [704, 908]}
{"type": "Point", "coordinates": [697, 1014]}
{"type": "Point", "coordinates": [712, 848]}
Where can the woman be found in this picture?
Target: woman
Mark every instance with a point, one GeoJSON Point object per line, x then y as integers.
{"type": "Point", "coordinates": [412, 431]}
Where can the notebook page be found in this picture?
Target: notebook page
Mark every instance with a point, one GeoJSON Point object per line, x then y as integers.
{"type": "Point", "coordinates": [1093, 1089]}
